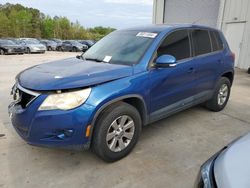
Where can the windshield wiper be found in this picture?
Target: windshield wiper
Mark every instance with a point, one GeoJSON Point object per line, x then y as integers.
{"type": "Point", "coordinates": [90, 59]}
{"type": "Point", "coordinates": [94, 59]}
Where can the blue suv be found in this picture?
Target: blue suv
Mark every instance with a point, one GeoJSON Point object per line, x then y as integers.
{"type": "Point", "coordinates": [128, 79]}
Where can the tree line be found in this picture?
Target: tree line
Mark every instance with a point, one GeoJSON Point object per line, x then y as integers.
{"type": "Point", "coordinates": [19, 21]}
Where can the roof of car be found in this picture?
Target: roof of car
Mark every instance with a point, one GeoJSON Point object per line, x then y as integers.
{"type": "Point", "coordinates": [166, 27]}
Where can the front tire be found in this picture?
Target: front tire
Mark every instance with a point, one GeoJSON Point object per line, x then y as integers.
{"type": "Point", "coordinates": [220, 96]}
{"type": "Point", "coordinates": [116, 132]}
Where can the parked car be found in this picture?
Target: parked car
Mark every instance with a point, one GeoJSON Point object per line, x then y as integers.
{"type": "Point", "coordinates": [89, 43]}
{"type": "Point", "coordinates": [9, 47]}
{"type": "Point", "coordinates": [128, 79]}
{"type": "Point", "coordinates": [59, 44]}
{"type": "Point", "coordinates": [21, 43]}
{"type": "Point", "coordinates": [50, 45]}
{"type": "Point", "coordinates": [33, 45]}
{"type": "Point", "coordinates": [228, 168]}
{"type": "Point", "coordinates": [73, 46]}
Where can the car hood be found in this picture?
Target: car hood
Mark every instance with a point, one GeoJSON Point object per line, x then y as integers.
{"type": "Point", "coordinates": [70, 73]}
{"type": "Point", "coordinates": [232, 166]}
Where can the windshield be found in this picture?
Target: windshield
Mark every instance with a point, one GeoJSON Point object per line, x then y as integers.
{"type": "Point", "coordinates": [75, 43]}
{"type": "Point", "coordinates": [119, 47]}
{"type": "Point", "coordinates": [32, 42]}
{"type": "Point", "coordinates": [7, 42]}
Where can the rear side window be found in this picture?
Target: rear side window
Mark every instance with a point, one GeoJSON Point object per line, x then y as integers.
{"type": "Point", "coordinates": [217, 43]}
{"type": "Point", "coordinates": [176, 44]}
{"type": "Point", "coordinates": [201, 42]}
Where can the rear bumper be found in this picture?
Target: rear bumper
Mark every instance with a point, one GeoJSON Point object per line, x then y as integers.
{"type": "Point", "coordinates": [52, 128]}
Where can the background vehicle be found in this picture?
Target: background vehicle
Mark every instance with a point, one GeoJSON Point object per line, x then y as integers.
{"type": "Point", "coordinates": [128, 79]}
{"type": "Point", "coordinates": [227, 168]}
{"type": "Point", "coordinates": [9, 47]}
{"type": "Point", "coordinates": [73, 46]}
{"type": "Point", "coordinates": [50, 45]}
{"type": "Point", "coordinates": [20, 42]}
{"type": "Point", "coordinates": [59, 44]}
{"type": "Point", "coordinates": [89, 43]}
{"type": "Point", "coordinates": [33, 45]}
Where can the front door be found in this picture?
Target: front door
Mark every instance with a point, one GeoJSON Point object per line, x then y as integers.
{"type": "Point", "coordinates": [173, 88]}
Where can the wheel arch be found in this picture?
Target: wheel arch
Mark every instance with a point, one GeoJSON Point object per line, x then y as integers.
{"type": "Point", "coordinates": [229, 75]}
{"type": "Point", "coordinates": [136, 101]}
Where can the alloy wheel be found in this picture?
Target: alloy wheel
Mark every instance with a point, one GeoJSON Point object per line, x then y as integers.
{"type": "Point", "coordinates": [222, 95]}
{"type": "Point", "coordinates": [120, 133]}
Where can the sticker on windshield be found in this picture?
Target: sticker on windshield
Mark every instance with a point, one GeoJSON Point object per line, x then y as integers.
{"type": "Point", "coordinates": [107, 58]}
{"type": "Point", "coordinates": [146, 34]}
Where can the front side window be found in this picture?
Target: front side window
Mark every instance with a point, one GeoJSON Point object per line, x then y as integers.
{"type": "Point", "coordinates": [176, 44]}
{"type": "Point", "coordinates": [201, 42]}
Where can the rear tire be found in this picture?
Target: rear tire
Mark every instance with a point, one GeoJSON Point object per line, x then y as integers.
{"type": "Point", "coordinates": [220, 96]}
{"type": "Point", "coordinates": [116, 131]}
{"type": "Point", "coordinates": [74, 49]}
{"type": "Point", "coordinates": [2, 52]}
{"type": "Point", "coordinates": [248, 71]}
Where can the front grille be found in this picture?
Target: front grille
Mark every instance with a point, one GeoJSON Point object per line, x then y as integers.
{"type": "Point", "coordinates": [23, 96]}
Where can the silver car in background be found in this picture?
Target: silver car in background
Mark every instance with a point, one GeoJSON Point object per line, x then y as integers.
{"type": "Point", "coordinates": [229, 168]}
{"type": "Point", "coordinates": [33, 45]}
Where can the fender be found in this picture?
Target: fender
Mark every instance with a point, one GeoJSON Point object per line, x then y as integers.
{"type": "Point", "coordinates": [145, 118]}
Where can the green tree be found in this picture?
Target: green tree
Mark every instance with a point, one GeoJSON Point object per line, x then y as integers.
{"type": "Point", "coordinates": [19, 21]}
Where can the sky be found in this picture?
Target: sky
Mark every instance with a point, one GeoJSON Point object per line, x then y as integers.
{"type": "Point", "coordinates": [113, 13]}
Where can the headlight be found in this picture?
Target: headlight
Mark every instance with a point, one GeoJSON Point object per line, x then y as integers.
{"type": "Point", "coordinates": [206, 178]}
{"type": "Point", "coordinates": [35, 48]}
{"type": "Point", "coordinates": [65, 101]}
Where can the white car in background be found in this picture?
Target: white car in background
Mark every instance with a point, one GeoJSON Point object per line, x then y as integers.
{"type": "Point", "coordinates": [33, 45]}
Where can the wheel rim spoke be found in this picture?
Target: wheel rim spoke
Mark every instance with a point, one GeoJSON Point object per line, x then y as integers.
{"type": "Point", "coordinates": [113, 144]}
{"type": "Point", "coordinates": [115, 125]}
{"type": "Point", "coordinates": [128, 125]}
{"type": "Point", "coordinates": [110, 136]}
{"type": "Point", "coordinates": [128, 135]}
{"type": "Point", "coordinates": [121, 144]}
{"type": "Point", "coordinates": [123, 120]}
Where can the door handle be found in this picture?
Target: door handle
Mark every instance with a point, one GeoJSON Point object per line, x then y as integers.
{"type": "Point", "coordinates": [191, 70]}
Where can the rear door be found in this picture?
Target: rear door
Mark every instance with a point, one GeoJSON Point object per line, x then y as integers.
{"type": "Point", "coordinates": [208, 59]}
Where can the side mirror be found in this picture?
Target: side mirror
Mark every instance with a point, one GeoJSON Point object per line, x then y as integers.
{"type": "Point", "coordinates": [165, 61]}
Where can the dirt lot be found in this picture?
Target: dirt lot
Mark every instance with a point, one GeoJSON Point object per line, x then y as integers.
{"type": "Point", "coordinates": [168, 154]}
